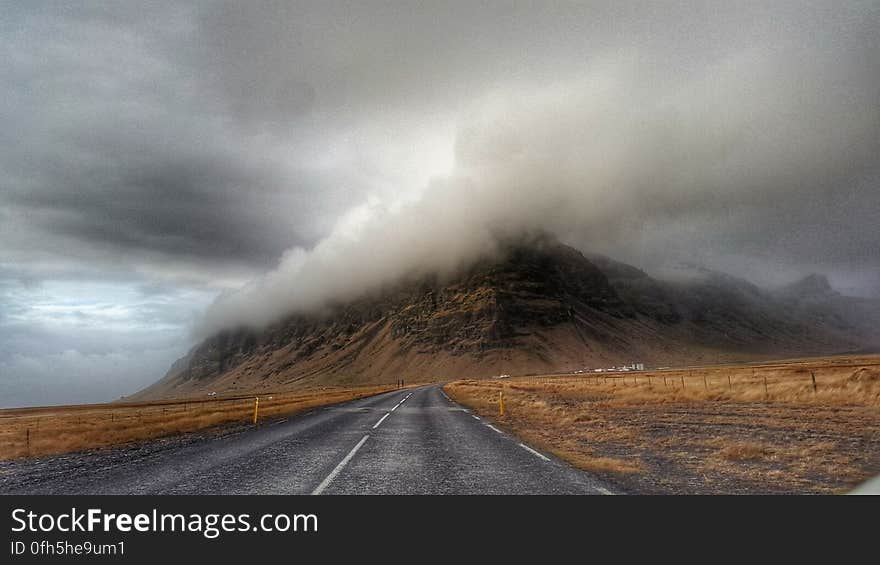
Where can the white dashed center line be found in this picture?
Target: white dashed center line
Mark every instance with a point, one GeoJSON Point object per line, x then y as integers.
{"type": "Point", "coordinates": [399, 403]}
{"type": "Point", "coordinates": [475, 417]}
{"type": "Point", "coordinates": [382, 419]}
{"type": "Point", "coordinates": [494, 428]}
{"type": "Point", "coordinates": [326, 482]}
{"type": "Point", "coordinates": [604, 490]}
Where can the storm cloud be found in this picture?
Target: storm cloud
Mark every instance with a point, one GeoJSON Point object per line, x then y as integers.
{"type": "Point", "coordinates": [754, 152]}
{"type": "Point", "coordinates": [283, 155]}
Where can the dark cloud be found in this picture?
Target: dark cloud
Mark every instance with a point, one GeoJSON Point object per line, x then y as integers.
{"type": "Point", "coordinates": [174, 203]}
{"type": "Point", "coordinates": [170, 146]}
{"type": "Point", "coordinates": [112, 141]}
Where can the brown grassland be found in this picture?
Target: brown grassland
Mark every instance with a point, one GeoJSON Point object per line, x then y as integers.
{"type": "Point", "coordinates": [59, 429]}
{"type": "Point", "coordinates": [756, 428]}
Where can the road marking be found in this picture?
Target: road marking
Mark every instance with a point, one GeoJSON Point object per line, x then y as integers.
{"type": "Point", "coordinates": [443, 392]}
{"type": "Point", "coordinates": [533, 452]}
{"type": "Point", "coordinates": [279, 422]}
{"type": "Point", "coordinates": [401, 402]}
{"type": "Point", "coordinates": [382, 419]}
{"type": "Point", "coordinates": [398, 404]}
{"type": "Point", "coordinates": [475, 417]}
{"type": "Point", "coordinates": [494, 428]}
{"type": "Point", "coordinates": [326, 482]}
{"type": "Point", "coordinates": [604, 490]}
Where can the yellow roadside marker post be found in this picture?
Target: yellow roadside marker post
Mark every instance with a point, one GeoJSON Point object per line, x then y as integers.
{"type": "Point", "coordinates": [501, 403]}
{"type": "Point", "coordinates": [256, 408]}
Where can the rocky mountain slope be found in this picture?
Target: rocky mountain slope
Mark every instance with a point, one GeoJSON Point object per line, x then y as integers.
{"type": "Point", "coordinates": [539, 306]}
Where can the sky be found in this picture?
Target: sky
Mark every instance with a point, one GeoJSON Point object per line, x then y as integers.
{"type": "Point", "coordinates": [168, 169]}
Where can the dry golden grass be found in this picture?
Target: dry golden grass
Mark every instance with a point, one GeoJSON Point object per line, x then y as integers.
{"type": "Point", "coordinates": [42, 431]}
{"type": "Point", "coordinates": [750, 428]}
{"type": "Point", "coordinates": [745, 451]}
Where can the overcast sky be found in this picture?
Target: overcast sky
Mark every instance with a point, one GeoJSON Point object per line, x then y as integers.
{"type": "Point", "coordinates": [280, 155]}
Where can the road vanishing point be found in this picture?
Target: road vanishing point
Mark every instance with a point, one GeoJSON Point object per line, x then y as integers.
{"type": "Point", "coordinates": [410, 441]}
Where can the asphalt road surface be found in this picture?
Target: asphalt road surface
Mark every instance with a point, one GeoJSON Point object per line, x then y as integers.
{"type": "Point", "coordinates": [414, 441]}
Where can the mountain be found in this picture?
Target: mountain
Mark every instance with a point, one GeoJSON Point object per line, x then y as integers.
{"type": "Point", "coordinates": [813, 287]}
{"type": "Point", "coordinates": [538, 306]}
{"type": "Point", "coordinates": [813, 300]}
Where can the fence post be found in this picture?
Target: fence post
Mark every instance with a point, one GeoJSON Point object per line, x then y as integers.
{"type": "Point", "coordinates": [765, 386]}
{"type": "Point", "coordinates": [28, 440]}
{"type": "Point", "coordinates": [682, 382]}
{"type": "Point", "coordinates": [705, 383]}
{"type": "Point", "coordinates": [813, 376]}
{"type": "Point", "coordinates": [729, 384]}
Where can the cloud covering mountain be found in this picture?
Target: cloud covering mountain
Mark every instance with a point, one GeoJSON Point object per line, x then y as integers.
{"type": "Point", "coordinates": [290, 154]}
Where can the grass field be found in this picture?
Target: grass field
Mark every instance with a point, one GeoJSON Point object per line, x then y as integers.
{"type": "Point", "coordinates": [762, 428]}
{"type": "Point", "coordinates": [58, 429]}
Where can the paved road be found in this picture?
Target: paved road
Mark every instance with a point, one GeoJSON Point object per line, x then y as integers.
{"type": "Point", "coordinates": [414, 441]}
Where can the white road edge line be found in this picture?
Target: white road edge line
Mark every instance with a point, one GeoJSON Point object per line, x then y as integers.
{"type": "Point", "coordinates": [494, 428]}
{"type": "Point", "coordinates": [604, 490]}
{"type": "Point", "coordinates": [382, 419]}
{"type": "Point", "coordinates": [326, 482]}
{"type": "Point", "coordinates": [475, 417]}
{"type": "Point", "coordinates": [533, 452]}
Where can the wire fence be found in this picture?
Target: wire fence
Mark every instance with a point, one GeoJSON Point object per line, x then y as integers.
{"type": "Point", "coordinates": [37, 431]}
{"type": "Point", "coordinates": [767, 379]}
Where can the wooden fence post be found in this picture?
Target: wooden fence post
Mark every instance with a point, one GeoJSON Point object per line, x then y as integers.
{"type": "Point", "coordinates": [813, 376]}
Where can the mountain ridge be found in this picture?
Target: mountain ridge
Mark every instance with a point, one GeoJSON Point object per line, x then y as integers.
{"type": "Point", "coordinates": [538, 306]}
